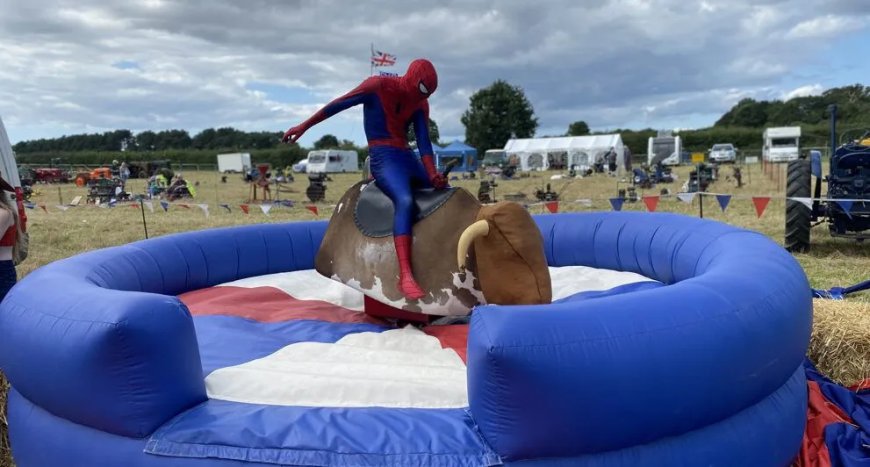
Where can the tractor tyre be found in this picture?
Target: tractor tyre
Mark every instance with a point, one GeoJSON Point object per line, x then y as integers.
{"type": "Point", "coordinates": [797, 215]}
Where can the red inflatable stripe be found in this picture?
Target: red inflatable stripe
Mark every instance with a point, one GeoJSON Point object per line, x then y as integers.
{"type": "Point", "coordinates": [266, 304]}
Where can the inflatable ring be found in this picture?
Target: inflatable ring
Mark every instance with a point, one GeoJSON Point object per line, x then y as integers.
{"type": "Point", "coordinates": [107, 364]}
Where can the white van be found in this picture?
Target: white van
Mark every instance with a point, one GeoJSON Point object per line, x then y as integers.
{"type": "Point", "coordinates": [332, 161]}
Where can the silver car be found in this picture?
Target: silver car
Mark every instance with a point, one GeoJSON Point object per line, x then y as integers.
{"type": "Point", "coordinates": [723, 153]}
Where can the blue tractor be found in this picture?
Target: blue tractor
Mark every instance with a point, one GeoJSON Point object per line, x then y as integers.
{"type": "Point", "coordinates": [846, 206]}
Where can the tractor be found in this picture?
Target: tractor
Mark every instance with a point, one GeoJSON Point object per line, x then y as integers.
{"type": "Point", "coordinates": [845, 208]}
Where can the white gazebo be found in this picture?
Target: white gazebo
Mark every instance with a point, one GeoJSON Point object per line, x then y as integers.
{"type": "Point", "coordinates": [562, 153]}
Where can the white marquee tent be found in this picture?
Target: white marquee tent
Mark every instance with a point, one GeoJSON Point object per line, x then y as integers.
{"type": "Point", "coordinates": [564, 152]}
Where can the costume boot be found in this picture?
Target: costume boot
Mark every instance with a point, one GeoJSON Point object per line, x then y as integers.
{"type": "Point", "coordinates": [407, 285]}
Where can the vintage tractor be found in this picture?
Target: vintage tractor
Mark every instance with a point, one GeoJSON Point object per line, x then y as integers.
{"type": "Point", "coordinates": [845, 207]}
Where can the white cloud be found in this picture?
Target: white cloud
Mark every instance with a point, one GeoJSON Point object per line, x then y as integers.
{"type": "Point", "coordinates": [804, 91]}
{"type": "Point", "coordinates": [826, 26]}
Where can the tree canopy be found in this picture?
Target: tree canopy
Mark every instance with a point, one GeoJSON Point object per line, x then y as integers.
{"type": "Point", "coordinates": [434, 136]}
{"type": "Point", "coordinates": [496, 114]}
{"type": "Point", "coordinates": [578, 128]}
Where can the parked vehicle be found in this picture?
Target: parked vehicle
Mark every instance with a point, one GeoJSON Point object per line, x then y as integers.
{"type": "Point", "coordinates": [665, 148]}
{"type": "Point", "coordinates": [848, 180]}
{"type": "Point", "coordinates": [238, 162]}
{"type": "Point", "coordinates": [781, 144]}
{"type": "Point", "coordinates": [725, 152]}
{"type": "Point", "coordinates": [332, 161]}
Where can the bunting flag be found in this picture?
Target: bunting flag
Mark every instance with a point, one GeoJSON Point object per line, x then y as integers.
{"type": "Point", "coordinates": [312, 208]}
{"type": "Point", "coordinates": [553, 206]}
{"type": "Point", "coordinates": [183, 205]}
{"type": "Point", "coordinates": [651, 202]}
{"type": "Point", "coordinates": [164, 205]}
{"type": "Point", "coordinates": [227, 207]}
{"type": "Point", "coordinates": [149, 204]}
{"type": "Point", "coordinates": [266, 208]}
{"type": "Point", "coordinates": [287, 202]}
{"type": "Point", "coordinates": [686, 197]}
{"type": "Point", "coordinates": [204, 208]}
{"type": "Point", "coordinates": [616, 203]}
{"type": "Point", "coordinates": [244, 208]}
{"type": "Point", "coordinates": [134, 205]}
{"type": "Point", "coordinates": [29, 205]}
{"type": "Point", "coordinates": [847, 206]}
{"type": "Point", "coordinates": [62, 207]}
{"type": "Point", "coordinates": [808, 202]}
{"type": "Point", "coordinates": [723, 201]}
{"type": "Point", "coordinates": [760, 203]}
{"type": "Point", "coordinates": [41, 205]}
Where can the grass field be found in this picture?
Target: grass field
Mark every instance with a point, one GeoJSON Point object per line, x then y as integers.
{"type": "Point", "coordinates": [57, 234]}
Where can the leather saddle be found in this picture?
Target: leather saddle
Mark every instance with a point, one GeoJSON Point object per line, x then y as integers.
{"type": "Point", "coordinates": [374, 210]}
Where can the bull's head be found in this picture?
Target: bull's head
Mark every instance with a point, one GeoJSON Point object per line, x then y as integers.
{"type": "Point", "coordinates": [509, 257]}
{"type": "Point", "coordinates": [501, 250]}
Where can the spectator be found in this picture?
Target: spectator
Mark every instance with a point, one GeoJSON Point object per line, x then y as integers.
{"type": "Point", "coordinates": [11, 240]}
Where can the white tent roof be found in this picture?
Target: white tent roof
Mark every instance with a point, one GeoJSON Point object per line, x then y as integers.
{"type": "Point", "coordinates": [582, 151]}
{"type": "Point", "coordinates": [566, 143]}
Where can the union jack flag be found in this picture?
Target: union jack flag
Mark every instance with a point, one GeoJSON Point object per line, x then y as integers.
{"type": "Point", "coordinates": [382, 59]}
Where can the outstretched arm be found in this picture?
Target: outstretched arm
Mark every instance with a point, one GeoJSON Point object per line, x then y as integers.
{"type": "Point", "coordinates": [355, 97]}
{"type": "Point", "coordinates": [424, 144]}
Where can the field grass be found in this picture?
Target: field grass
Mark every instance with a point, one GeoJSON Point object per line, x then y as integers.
{"type": "Point", "coordinates": [57, 234]}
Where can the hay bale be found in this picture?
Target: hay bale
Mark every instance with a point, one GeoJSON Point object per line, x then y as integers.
{"type": "Point", "coordinates": [840, 344]}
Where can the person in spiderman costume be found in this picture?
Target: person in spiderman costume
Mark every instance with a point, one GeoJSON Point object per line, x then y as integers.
{"type": "Point", "coordinates": [390, 106]}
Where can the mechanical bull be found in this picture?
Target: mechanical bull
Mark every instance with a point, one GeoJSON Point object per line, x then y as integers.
{"type": "Point", "coordinates": [464, 253]}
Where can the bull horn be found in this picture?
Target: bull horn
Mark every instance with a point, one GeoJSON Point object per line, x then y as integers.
{"type": "Point", "coordinates": [478, 229]}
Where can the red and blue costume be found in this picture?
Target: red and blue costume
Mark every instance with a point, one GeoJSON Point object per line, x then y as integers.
{"type": "Point", "coordinates": [390, 106]}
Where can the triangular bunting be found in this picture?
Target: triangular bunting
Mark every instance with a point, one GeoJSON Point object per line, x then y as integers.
{"type": "Point", "coordinates": [312, 208]}
{"type": "Point", "coordinates": [808, 202]}
{"type": "Point", "coordinates": [204, 208]}
{"type": "Point", "coordinates": [553, 206]}
{"type": "Point", "coordinates": [227, 207]}
{"type": "Point", "coordinates": [266, 208]}
{"type": "Point", "coordinates": [847, 206]}
{"type": "Point", "coordinates": [164, 205]}
{"type": "Point", "coordinates": [149, 204]}
{"type": "Point", "coordinates": [723, 201]}
{"type": "Point", "coordinates": [686, 197]}
{"type": "Point", "coordinates": [29, 205]}
{"type": "Point", "coordinates": [288, 203]}
{"type": "Point", "coordinates": [62, 207]}
{"type": "Point", "coordinates": [183, 205]}
{"type": "Point", "coordinates": [43, 207]}
{"type": "Point", "coordinates": [616, 203]}
{"type": "Point", "coordinates": [244, 208]}
{"type": "Point", "coordinates": [134, 205]}
{"type": "Point", "coordinates": [760, 203]}
{"type": "Point", "coordinates": [651, 202]}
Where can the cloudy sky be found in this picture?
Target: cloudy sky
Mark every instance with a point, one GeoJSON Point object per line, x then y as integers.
{"type": "Point", "coordinates": [73, 66]}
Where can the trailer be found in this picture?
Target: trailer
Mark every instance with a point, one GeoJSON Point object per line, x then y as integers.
{"type": "Point", "coordinates": [781, 144]}
{"type": "Point", "coordinates": [332, 161]}
{"type": "Point", "coordinates": [238, 162]}
{"type": "Point", "coordinates": [665, 149]}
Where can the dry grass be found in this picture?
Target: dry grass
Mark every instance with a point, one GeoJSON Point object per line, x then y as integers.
{"type": "Point", "coordinates": [5, 450]}
{"type": "Point", "coordinates": [59, 234]}
{"type": "Point", "coordinates": [840, 346]}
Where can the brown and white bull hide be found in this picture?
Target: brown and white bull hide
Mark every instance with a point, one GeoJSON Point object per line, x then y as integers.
{"type": "Point", "coordinates": [370, 266]}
